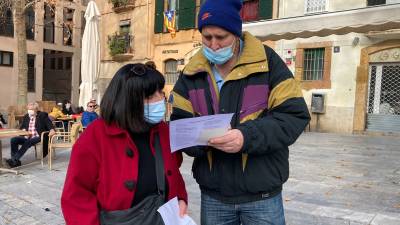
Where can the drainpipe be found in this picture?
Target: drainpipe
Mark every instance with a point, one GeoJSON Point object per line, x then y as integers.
{"type": "Point", "coordinates": [149, 38]}
{"type": "Point", "coordinates": [281, 2]}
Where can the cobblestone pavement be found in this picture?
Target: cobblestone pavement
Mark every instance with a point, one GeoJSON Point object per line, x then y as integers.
{"type": "Point", "coordinates": [335, 179]}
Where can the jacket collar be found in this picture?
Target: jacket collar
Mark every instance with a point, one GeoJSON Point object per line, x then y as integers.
{"type": "Point", "coordinates": [252, 59]}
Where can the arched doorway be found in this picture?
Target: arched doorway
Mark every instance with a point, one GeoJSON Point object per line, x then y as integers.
{"type": "Point", "coordinates": [377, 107]}
{"type": "Point", "coordinates": [383, 103]}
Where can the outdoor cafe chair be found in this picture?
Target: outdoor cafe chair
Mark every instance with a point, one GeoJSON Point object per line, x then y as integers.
{"type": "Point", "coordinates": [39, 146]}
{"type": "Point", "coordinates": [63, 140]}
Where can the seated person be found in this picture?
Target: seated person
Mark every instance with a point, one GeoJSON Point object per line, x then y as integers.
{"type": "Point", "coordinates": [56, 112]}
{"type": "Point", "coordinates": [2, 121]}
{"type": "Point", "coordinates": [35, 122]}
{"type": "Point", "coordinates": [89, 115]}
{"type": "Point", "coordinates": [67, 109]}
{"type": "Point", "coordinates": [79, 110]}
{"type": "Point", "coordinates": [96, 106]}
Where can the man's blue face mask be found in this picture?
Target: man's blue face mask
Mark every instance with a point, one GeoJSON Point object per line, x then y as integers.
{"type": "Point", "coordinates": [219, 56]}
{"type": "Point", "coordinates": [154, 112]}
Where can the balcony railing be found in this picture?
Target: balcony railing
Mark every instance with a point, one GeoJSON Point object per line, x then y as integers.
{"type": "Point", "coordinates": [120, 46]}
{"type": "Point", "coordinates": [122, 5]}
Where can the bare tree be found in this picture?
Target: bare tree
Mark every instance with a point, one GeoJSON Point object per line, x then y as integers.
{"type": "Point", "coordinates": [19, 9]}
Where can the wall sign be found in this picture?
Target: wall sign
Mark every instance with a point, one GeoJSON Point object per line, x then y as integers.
{"type": "Point", "coordinates": [170, 51]}
{"type": "Point", "coordinates": [195, 45]}
{"type": "Point", "coordinates": [336, 49]}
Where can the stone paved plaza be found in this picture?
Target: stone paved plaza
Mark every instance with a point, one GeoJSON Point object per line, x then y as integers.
{"type": "Point", "coordinates": [335, 179]}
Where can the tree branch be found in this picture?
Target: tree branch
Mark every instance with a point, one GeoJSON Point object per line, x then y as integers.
{"type": "Point", "coordinates": [29, 4]}
{"type": "Point", "coordinates": [5, 5]}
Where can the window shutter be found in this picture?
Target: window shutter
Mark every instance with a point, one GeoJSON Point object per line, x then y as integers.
{"type": "Point", "coordinates": [249, 11]}
{"type": "Point", "coordinates": [265, 9]}
{"type": "Point", "coordinates": [159, 16]}
{"type": "Point", "coordinates": [186, 14]}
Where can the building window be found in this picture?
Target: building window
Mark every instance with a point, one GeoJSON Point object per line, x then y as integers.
{"type": "Point", "coordinates": [68, 63]}
{"type": "Point", "coordinates": [171, 71]}
{"type": "Point", "coordinates": [30, 23]}
{"type": "Point", "coordinates": [31, 73]}
{"type": "Point", "coordinates": [185, 14]}
{"type": "Point", "coordinates": [49, 18]}
{"type": "Point", "coordinates": [85, 2]}
{"type": "Point", "coordinates": [313, 64]}
{"type": "Point", "coordinates": [254, 10]}
{"type": "Point", "coordinates": [250, 10]}
{"type": "Point", "coordinates": [68, 26]}
{"type": "Point", "coordinates": [125, 27]}
{"type": "Point", "coordinates": [53, 63]}
{"type": "Point", "coordinates": [375, 2]}
{"type": "Point", "coordinates": [60, 63]}
{"type": "Point", "coordinates": [6, 58]}
{"type": "Point", "coordinates": [6, 24]}
{"type": "Point", "coordinates": [316, 6]}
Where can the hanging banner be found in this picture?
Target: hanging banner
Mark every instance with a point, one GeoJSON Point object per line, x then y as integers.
{"type": "Point", "coordinates": [169, 20]}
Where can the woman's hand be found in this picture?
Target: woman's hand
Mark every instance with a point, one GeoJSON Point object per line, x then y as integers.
{"type": "Point", "coordinates": [182, 208]}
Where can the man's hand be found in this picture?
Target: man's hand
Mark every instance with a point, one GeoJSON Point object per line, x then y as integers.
{"type": "Point", "coordinates": [52, 132]}
{"type": "Point", "coordinates": [231, 142]}
{"type": "Point", "coordinates": [182, 208]}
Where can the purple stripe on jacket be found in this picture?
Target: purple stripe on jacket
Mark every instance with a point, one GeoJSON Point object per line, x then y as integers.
{"type": "Point", "coordinates": [255, 98]}
{"type": "Point", "coordinates": [213, 95]}
{"type": "Point", "coordinates": [198, 100]}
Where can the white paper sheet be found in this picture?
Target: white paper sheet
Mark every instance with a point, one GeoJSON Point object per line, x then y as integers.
{"type": "Point", "coordinates": [198, 130]}
{"type": "Point", "coordinates": [170, 214]}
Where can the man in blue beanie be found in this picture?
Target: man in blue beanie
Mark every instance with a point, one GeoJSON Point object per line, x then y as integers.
{"type": "Point", "coordinates": [240, 173]}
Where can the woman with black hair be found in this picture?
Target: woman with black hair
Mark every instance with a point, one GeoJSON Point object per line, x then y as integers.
{"type": "Point", "coordinates": [116, 163]}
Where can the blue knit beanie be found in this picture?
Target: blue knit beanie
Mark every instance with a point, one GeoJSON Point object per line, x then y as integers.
{"type": "Point", "coordinates": [221, 13]}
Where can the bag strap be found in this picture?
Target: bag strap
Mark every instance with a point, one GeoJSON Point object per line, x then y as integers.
{"type": "Point", "coordinates": [159, 165]}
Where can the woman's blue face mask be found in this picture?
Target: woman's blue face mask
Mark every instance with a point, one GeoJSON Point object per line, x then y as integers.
{"type": "Point", "coordinates": [219, 56]}
{"type": "Point", "coordinates": [154, 112]}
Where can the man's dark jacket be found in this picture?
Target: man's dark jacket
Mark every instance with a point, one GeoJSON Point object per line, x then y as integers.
{"type": "Point", "coordinates": [269, 110]}
{"type": "Point", "coordinates": [42, 123]}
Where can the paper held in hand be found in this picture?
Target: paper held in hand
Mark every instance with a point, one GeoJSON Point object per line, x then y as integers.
{"type": "Point", "coordinates": [198, 130]}
{"type": "Point", "coordinates": [170, 214]}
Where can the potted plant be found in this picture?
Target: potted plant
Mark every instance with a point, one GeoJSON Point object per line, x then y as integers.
{"type": "Point", "coordinates": [116, 45]}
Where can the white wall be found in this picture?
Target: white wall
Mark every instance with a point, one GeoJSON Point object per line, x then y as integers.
{"type": "Point", "coordinates": [292, 8]}
{"type": "Point", "coordinates": [340, 98]}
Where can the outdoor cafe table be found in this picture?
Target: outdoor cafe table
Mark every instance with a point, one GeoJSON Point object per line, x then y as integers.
{"type": "Point", "coordinates": [9, 133]}
{"type": "Point", "coordinates": [68, 119]}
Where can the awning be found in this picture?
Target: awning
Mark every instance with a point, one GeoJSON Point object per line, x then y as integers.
{"type": "Point", "coordinates": [362, 20]}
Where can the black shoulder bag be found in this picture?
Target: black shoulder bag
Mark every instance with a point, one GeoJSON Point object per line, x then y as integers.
{"type": "Point", "coordinates": [145, 212]}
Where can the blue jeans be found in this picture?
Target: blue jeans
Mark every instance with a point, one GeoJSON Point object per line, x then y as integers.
{"type": "Point", "coordinates": [266, 211]}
